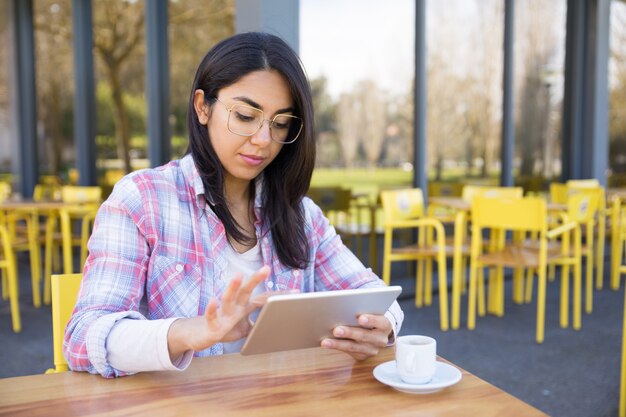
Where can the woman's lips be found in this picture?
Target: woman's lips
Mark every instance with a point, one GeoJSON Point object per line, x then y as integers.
{"type": "Point", "coordinates": [252, 160]}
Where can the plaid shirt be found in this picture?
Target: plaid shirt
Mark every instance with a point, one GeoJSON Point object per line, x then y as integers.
{"type": "Point", "coordinates": [157, 251]}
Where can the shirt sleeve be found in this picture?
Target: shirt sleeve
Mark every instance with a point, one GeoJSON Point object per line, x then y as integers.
{"type": "Point", "coordinates": [113, 280]}
{"type": "Point", "coordinates": [141, 345]}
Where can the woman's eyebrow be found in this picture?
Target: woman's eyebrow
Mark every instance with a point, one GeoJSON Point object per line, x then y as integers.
{"type": "Point", "coordinates": [253, 103]}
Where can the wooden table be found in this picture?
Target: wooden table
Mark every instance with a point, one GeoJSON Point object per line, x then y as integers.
{"type": "Point", "coordinates": [311, 382]}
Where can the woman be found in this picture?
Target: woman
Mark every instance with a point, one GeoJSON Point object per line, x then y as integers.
{"type": "Point", "coordinates": [171, 246]}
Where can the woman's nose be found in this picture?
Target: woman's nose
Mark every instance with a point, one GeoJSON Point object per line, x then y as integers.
{"type": "Point", "coordinates": [263, 136]}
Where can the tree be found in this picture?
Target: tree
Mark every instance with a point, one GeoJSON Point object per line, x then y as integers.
{"type": "Point", "coordinates": [118, 36]}
{"type": "Point", "coordinates": [54, 75]}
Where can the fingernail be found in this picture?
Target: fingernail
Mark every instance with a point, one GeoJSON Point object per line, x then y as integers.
{"type": "Point", "coordinates": [363, 320]}
{"type": "Point", "coordinates": [339, 331]}
{"type": "Point", "coordinates": [326, 343]}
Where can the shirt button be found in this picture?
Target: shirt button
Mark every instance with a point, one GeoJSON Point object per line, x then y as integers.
{"type": "Point", "coordinates": [270, 285]}
{"type": "Point", "coordinates": [179, 267]}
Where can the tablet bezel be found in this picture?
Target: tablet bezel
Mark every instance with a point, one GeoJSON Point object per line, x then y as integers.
{"type": "Point", "coordinates": [303, 320]}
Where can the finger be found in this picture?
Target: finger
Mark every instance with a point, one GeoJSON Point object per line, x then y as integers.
{"type": "Point", "coordinates": [259, 276]}
{"type": "Point", "coordinates": [375, 321]}
{"type": "Point", "coordinates": [374, 337]}
{"type": "Point", "coordinates": [211, 310]}
{"type": "Point", "coordinates": [230, 294]}
{"type": "Point", "coordinates": [358, 351]}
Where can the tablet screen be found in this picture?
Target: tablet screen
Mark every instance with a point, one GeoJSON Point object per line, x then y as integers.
{"type": "Point", "coordinates": [298, 321]}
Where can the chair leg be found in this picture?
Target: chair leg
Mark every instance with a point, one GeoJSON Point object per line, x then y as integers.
{"type": "Point", "coordinates": [564, 304]}
{"type": "Point", "coordinates": [428, 280]}
{"type": "Point", "coordinates": [518, 286]}
{"type": "Point", "coordinates": [35, 261]}
{"type": "Point", "coordinates": [443, 292]}
{"type": "Point", "coordinates": [589, 282]}
{"type": "Point", "coordinates": [622, 396]}
{"type": "Point", "coordinates": [5, 286]}
{"type": "Point", "coordinates": [617, 250]}
{"type": "Point", "coordinates": [600, 253]}
{"type": "Point", "coordinates": [14, 295]}
{"type": "Point", "coordinates": [541, 302]}
{"type": "Point", "coordinates": [49, 246]}
{"type": "Point", "coordinates": [528, 296]}
{"type": "Point", "coordinates": [577, 293]}
{"type": "Point", "coordinates": [482, 310]}
{"type": "Point", "coordinates": [419, 283]}
{"type": "Point", "coordinates": [471, 298]}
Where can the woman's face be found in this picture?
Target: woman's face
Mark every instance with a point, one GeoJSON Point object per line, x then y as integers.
{"type": "Point", "coordinates": [245, 157]}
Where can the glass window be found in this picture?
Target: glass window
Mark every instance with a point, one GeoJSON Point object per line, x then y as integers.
{"type": "Point", "coordinates": [54, 74]}
{"type": "Point", "coordinates": [195, 26]}
{"type": "Point", "coordinates": [539, 66]}
{"type": "Point", "coordinates": [617, 95]}
{"type": "Point", "coordinates": [6, 124]}
{"type": "Point", "coordinates": [361, 76]}
{"type": "Point", "coordinates": [119, 58]}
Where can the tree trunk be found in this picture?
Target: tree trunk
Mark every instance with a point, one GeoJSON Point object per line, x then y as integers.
{"type": "Point", "coordinates": [122, 126]}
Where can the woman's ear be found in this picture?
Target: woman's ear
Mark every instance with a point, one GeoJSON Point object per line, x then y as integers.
{"type": "Point", "coordinates": [202, 110]}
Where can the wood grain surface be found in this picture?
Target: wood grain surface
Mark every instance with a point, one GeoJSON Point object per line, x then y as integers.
{"type": "Point", "coordinates": [311, 382]}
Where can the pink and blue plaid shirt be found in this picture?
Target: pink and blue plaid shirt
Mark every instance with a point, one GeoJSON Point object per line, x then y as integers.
{"type": "Point", "coordinates": [157, 251]}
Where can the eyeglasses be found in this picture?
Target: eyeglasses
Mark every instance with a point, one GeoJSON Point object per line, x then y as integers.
{"type": "Point", "coordinates": [244, 120]}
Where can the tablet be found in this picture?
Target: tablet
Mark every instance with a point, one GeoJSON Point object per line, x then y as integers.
{"type": "Point", "coordinates": [297, 321]}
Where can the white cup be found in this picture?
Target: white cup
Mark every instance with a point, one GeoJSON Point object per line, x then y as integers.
{"type": "Point", "coordinates": [416, 358]}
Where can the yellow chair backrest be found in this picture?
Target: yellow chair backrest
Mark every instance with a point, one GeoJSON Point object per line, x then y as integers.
{"type": "Point", "coordinates": [445, 189]}
{"type": "Point", "coordinates": [5, 191]}
{"type": "Point", "coordinates": [81, 194]}
{"type": "Point", "coordinates": [331, 198]}
{"type": "Point", "coordinates": [472, 191]}
{"type": "Point", "coordinates": [47, 192]}
{"type": "Point", "coordinates": [583, 204]}
{"type": "Point", "coordinates": [558, 193]}
{"type": "Point", "coordinates": [587, 183]}
{"type": "Point", "coordinates": [64, 293]}
{"type": "Point", "coordinates": [405, 204]}
{"type": "Point", "coordinates": [526, 213]}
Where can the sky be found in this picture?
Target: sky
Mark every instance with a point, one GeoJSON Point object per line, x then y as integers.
{"type": "Point", "coordinates": [352, 40]}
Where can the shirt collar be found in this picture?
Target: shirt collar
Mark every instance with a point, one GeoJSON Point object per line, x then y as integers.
{"type": "Point", "coordinates": [191, 172]}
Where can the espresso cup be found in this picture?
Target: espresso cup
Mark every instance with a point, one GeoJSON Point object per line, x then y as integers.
{"type": "Point", "coordinates": [416, 358]}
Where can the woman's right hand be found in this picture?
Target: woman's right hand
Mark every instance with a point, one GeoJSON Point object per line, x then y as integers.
{"type": "Point", "coordinates": [220, 323]}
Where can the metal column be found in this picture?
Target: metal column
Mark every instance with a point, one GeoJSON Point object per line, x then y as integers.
{"type": "Point", "coordinates": [84, 95]}
{"type": "Point", "coordinates": [585, 100]}
{"type": "Point", "coordinates": [157, 87]}
{"type": "Point", "coordinates": [420, 174]}
{"type": "Point", "coordinates": [508, 116]}
{"type": "Point", "coordinates": [26, 96]}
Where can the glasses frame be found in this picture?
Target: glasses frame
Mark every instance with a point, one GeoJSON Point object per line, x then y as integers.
{"type": "Point", "coordinates": [263, 119]}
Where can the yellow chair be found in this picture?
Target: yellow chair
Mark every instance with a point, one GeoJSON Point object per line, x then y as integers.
{"type": "Point", "coordinates": [9, 282]}
{"type": "Point", "coordinates": [622, 391]}
{"type": "Point", "coordinates": [404, 210]}
{"type": "Point", "coordinates": [21, 225]}
{"type": "Point", "coordinates": [345, 214]}
{"type": "Point", "coordinates": [521, 216]}
{"type": "Point", "coordinates": [618, 222]}
{"type": "Point", "coordinates": [81, 205]}
{"type": "Point", "coordinates": [64, 293]}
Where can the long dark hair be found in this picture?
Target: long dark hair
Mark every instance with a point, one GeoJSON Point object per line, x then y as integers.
{"type": "Point", "coordinates": [287, 178]}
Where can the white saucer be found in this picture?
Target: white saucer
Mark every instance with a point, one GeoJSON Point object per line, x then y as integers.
{"type": "Point", "coordinates": [445, 376]}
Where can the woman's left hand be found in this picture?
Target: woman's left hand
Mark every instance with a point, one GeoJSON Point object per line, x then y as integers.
{"type": "Point", "coordinates": [363, 341]}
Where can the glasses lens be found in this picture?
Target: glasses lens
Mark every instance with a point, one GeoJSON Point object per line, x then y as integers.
{"type": "Point", "coordinates": [244, 120]}
{"type": "Point", "coordinates": [286, 128]}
